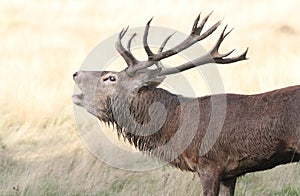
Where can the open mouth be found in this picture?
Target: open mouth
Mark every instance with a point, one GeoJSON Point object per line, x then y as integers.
{"type": "Point", "coordinates": [77, 98]}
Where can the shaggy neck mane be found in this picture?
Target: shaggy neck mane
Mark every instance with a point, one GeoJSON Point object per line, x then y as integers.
{"type": "Point", "coordinates": [143, 120]}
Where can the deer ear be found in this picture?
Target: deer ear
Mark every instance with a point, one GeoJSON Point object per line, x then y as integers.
{"type": "Point", "coordinates": [150, 77]}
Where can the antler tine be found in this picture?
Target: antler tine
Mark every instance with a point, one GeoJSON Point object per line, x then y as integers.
{"type": "Point", "coordinates": [215, 50]}
{"type": "Point", "coordinates": [150, 54]}
{"type": "Point", "coordinates": [210, 30]}
{"type": "Point", "coordinates": [129, 42]}
{"type": "Point", "coordinates": [196, 22]}
{"type": "Point", "coordinates": [145, 64]}
{"type": "Point", "coordinates": [145, 37]}
{"type": "Point", "coordinates": [197, 30]}
{"type": "Point", "coordinates": [159, 64]}
{"type": "Point", "coordinates": [164, 43]}
{"type": "Point", "coordinates": [126, 54]}
{"type": "Point", "coordinates": [219, 58]}
{"type": "Point", "coordinates": [241, 57]}
{"type": "Point", "coordinates": [123, 32]}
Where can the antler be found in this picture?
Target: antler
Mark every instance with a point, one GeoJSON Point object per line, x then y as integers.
{"type": "Point", "coordinates": [212, 56]}
{"type": "Point", "coordinates": [126, 54]}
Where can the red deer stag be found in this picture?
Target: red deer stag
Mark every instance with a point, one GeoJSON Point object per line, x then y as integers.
{"type": "Point", "coordinates": [259, 131]}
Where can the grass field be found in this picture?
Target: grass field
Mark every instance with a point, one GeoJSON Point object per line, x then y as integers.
{"type": "Point", "coordinates": [44, 42]}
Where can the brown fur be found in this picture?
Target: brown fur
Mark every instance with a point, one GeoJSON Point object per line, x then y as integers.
{"type": "Point", "coordinates": [259, 132]}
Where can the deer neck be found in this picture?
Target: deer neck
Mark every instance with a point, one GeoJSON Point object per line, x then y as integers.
{"type": "Point", "coordinates": [143, 117]}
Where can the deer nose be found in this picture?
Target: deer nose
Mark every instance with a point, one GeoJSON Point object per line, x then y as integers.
{"type": "Point", "coordinates": [74, 75]}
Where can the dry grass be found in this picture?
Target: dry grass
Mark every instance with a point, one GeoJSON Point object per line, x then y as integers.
{"type": "Point", "coordinates": [43, 43]}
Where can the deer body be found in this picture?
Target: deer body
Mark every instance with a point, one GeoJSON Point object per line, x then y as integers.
{"type": "Point", "coordinates": [256, 127]}
{"type": "Point", "coordinates": [259, 131]}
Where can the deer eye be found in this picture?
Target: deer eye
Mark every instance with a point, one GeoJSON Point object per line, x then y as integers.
{"type": "Point", "coordinates": [112, 78]}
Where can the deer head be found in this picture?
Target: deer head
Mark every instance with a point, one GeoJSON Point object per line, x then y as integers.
{"type": "Point", "coordinates": [101, 88]}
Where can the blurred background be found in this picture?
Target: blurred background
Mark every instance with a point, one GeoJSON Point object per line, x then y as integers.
{"type": "Point", "coordinates": [44, 42]}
